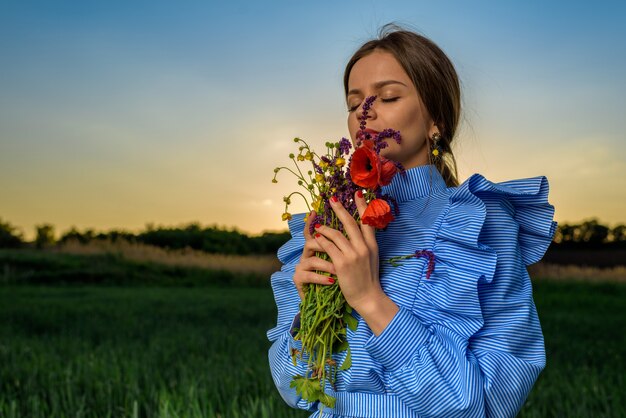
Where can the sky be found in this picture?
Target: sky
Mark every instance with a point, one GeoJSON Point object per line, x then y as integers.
{"type": "Point", "coordinates": [117, 114]}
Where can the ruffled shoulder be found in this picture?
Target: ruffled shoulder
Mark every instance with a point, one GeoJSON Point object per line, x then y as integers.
{"type": "Point", "coordinates": [285, 292]}
{"type": "Point", "coordinates": [479, 217]}
{"type": "Point", "coordinates": [532, 212]}
{"type": "Point", "coordinates": [289, 253]}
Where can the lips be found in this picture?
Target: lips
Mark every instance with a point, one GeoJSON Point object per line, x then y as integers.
{"type": "Point", "coordinates": [371, 131]}
{"type": "Point", "coordinates": [366, 134]}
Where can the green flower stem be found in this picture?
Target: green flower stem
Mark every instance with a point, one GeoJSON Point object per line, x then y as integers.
{"type": "Point", "coordinates": [301, 177]}
{"type": "Point", "coordinates": [288, 169]}
{"type": "Point", "coordinates": [303, 198]}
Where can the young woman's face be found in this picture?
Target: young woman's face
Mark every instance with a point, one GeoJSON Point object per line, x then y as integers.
{"type": "Point", "coordinates": [397, 106]}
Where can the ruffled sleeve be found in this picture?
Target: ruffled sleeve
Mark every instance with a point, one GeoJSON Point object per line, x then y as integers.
{"type": "Point", "coordinates": [285, 292]}
{"type": "Point", "coordinates": [287, 303]}
{"type": "Point", "coordinates": [471, 345]}
{"type": "Point", "coordinates": [526, 201]}
{"type": "Point", "coordinates": [509, 346]}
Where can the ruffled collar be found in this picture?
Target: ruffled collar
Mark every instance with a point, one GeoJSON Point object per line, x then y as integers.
{"type": "Point", "coordinates": [414, 183]}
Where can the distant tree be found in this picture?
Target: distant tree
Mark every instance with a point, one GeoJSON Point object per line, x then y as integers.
{"type": "Point", "coordinates": [618, 233]}
{"type": "Point", "coordinates": [10, 237]}
{"type": "Point", "coordinates": [45, 235]}
{"type": "Point", "coordinates": [565, 233]}
{"type": "Point", "coordinates": [592, 232]}
{"type": "Point", "coordinates": [114, 236]}
{"type": "Point", "coordinates": [73, 235]}
{"type": "Point", "coordinates": [270, 242]}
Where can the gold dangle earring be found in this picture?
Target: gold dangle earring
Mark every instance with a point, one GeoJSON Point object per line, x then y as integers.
{"type": "Point", "coordinates": [436, 148]}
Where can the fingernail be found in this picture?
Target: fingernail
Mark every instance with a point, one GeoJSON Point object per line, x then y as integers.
{"type": "Point", "coordinates": [334, 198]}
{"type": "Point", "coordinates": [317, 226]}
{"type": "Point", "coordinates": [331, 280]}
{"type": "Point", "coordinates": [317, 235]}
{"type": "Point", "coordinates": [359, 193]}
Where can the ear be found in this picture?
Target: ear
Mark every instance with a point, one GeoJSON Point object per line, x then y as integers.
{"type": "Point", "coordinates": [433, 128]}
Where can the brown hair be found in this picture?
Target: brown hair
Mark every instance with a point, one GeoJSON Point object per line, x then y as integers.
{"type": "Point", "coordinates": [434, 78]}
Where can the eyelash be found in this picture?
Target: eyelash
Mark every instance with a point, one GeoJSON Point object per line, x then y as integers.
{"type": "Point", "coordinates": [393, 99]}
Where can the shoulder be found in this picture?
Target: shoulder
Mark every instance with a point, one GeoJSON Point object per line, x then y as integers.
{"type": "Point", "coordinates": [513, 214]}
{"type": "Point", "coordinates": [289, 253]}
{"type": "Point", "coordinates": [485, 229]}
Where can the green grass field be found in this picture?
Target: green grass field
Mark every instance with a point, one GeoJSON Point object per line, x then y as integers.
{"type": "Point", "coordinates": [114, 351]}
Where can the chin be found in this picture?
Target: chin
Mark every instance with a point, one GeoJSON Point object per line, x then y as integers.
{"type": "Point", "coordinates": [389, 152]}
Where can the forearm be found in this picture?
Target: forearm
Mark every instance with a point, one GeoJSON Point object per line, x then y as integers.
{"type": "Point", "coordinates": [429, 368]}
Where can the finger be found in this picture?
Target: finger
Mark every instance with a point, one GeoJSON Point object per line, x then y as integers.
{"type": "Point", "coordinates": [303, 277]}
{"type": "Point", "coordinates": [329, 246]}
{"type": "Point", "coordinates": [317, 263]}
{"type": "Point", "coordinates": [311, 277]}
{"type": "Point", "coordinates": [369, 232]}
{"type": "Point", "coordinates": [318, 278]}
{"type": "Point", "coordinates": [349, 224]}
{"type": "Point", "coordinates": [310, 247]}
{"type": "Point", "coordinates": [334, 236]}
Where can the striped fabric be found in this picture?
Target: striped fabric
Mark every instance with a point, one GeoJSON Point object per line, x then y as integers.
{"type": "Point", "coordinates": [467, 341]}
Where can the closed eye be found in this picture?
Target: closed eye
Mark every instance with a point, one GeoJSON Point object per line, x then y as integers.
{"type": "Point", "coordinates": [392, 99]}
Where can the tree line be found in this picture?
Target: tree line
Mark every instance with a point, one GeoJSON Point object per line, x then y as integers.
{"type": "Point", "coordinates": [212, 239]}
{"type": "Point", "coordinates": [590, 234]}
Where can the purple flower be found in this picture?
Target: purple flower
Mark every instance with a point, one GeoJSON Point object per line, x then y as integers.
{"type": "Point", "coordinates": [344, 146]}
{"type": "Point", "coordinates": [431, 260]}
{"type": "Point", "coordinates": [366, 108]}
{"type": "Point", "coordinates": [387, 133]}
{"type": "Point", "coordinates": [316, 219]}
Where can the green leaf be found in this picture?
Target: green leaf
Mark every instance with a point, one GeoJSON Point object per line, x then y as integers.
{"type": "Point", "coordinates": [351, 321]}
{"type": "Point", "coordinates": [347, 361]}
{"type": "Point", "coordinates": [308, 388]}
{"type": "Point", "coordinates": [343, 345]}
{"type": "Point", "coordinates": [327, 400]}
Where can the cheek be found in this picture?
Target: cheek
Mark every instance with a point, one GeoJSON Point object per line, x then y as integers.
{"type": "Point", "coordinates": [353, 126]}
{"type": "Point", "coordinates": [411, 120]}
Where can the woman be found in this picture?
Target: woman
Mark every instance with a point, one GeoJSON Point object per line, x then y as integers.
{"type": "Point", "coordinates": [464, 341]}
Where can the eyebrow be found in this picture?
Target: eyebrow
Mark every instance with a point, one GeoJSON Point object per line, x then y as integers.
{"type": "Point", "coordinates": [378, 85]}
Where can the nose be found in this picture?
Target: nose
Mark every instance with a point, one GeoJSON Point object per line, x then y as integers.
{"type": "Point", "coordinates": [366, 110]}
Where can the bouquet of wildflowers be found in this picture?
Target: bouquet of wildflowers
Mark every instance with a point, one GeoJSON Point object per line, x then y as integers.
{"type": "Point", "coordinates": [325, 315]}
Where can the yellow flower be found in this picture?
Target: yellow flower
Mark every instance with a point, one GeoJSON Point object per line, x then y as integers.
{"type": "Point", "coordinates": [316, 204]}
{"type": "Point", "coordinates": [319, 178]}
{"type": "Point", "coordinates": [286, 216]}
{"type": "Point", "coordinates": [435, 152]}
{"type": "Point", "coordinates": [340, 162]}
{"type": "Point", "coordinates": [323, 164]}
{"type": "Point", "coordinates": [300, 157]}
{"type": "Point", "coordinates": [308, 156]}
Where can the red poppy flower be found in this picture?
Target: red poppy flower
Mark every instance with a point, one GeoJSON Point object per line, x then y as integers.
{"type": "Point", "coordinates": [370, 170]}
{"type": "Point", "coordinates": [387, 170]}
{"type": "Point", "coordinates": [364, 167]}
{"type": "Point", "coordinates": [377, 214]}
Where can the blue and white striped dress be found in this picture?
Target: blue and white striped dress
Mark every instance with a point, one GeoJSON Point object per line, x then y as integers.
{"type": "Point", "coordinates": [467, 341]}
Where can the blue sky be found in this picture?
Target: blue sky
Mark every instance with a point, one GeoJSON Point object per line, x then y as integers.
{"type": "Point", "coordinates": [116, 114]}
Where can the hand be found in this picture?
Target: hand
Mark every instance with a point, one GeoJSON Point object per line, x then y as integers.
{"type": "Point", "coordinates": [355, 258]}
{"type": "Point", "coordinates": [309, 262]}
